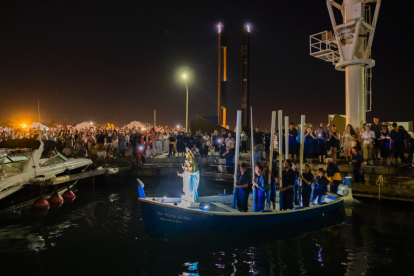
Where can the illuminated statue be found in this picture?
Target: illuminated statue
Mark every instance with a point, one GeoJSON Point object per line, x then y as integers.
{"type": "Point", "coordinates": [191, 178]}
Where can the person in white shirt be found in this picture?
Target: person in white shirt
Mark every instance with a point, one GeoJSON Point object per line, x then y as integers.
{"type": "Point", "coordinates": [148, 153]}
{"type": "Point", "coordinates": [159, 142]}
{"type": "Point", "coordinates": [230, 142]}
{"type": "Point", "coordinates": [195, 151]}
{"type": "Point", "coordinates": [101, 155]}
{"type": "Point", "coordinates": [206, 139]}
{"type": "Point", "coordinates": [368, 137]}
{"type": "Point", "coordinates": [243, 138]}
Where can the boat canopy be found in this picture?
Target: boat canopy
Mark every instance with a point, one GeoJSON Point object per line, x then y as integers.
{"type": "Point", "coordinates": [26, 143]}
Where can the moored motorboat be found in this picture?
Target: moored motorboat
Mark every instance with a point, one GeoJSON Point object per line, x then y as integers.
{"type": "Point", "coordinates": [25, 167]}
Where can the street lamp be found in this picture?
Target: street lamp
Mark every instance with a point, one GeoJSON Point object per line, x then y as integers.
{"type": "Point", "coordinates": [186, 108]}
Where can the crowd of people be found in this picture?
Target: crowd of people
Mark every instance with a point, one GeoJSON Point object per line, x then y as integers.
{"type": "Point", "coordinates": [381, 144]}
{"type": "Point", "coordinates": [106, 146]}
{"type": "Point", "coordinates": [378, 143]}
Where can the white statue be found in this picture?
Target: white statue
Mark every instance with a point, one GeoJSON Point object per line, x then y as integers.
{"type": "Point", "coordinates": [191, 178]}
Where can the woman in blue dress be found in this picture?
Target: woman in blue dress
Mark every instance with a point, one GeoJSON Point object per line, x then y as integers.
{"type": "Point", "coordinates": [385, 146]}
{"type": "Point", "coordinates": [308, 147]}
{"type": "Point", "coordinates": [259, 184]}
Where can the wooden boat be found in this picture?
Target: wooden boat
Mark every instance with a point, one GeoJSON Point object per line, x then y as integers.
{"type": "Point", "coordinates": [165, 216]}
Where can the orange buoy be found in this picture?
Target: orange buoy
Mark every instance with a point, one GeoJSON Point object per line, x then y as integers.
{"type": "Point", "coordinates": [41, 204]}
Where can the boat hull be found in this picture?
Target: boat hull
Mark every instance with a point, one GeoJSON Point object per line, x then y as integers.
{"type": "Point", "coordinates": [162, 219]}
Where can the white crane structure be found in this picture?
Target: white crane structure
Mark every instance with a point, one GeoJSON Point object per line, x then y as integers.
{"type": "Point", "coordinates": [348, 47]}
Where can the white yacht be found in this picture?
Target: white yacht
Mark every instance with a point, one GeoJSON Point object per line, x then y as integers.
{"type": "Point", "coordinates": [22, 163]}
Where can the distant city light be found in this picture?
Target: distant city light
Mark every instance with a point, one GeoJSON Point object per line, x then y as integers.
{"type": "Point", "coordinates": [219, 26]}
{"type": "Point", "coordinates": [248, 27]}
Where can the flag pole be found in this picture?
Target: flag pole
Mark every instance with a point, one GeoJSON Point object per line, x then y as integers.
{"type": "Point", "coordinates": [252, 153]}
{"type": "Point", "coordinates": [280, 143]}
{"type": "Point", "coordinates": [236, 159]}
{"type": "Point", "coordinates": [272, 135]}
{"type": "Point", "coordinates": [302, 129]}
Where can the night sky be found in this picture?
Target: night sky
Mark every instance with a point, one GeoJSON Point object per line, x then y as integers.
{"type": "Point", "coordinates": [117, 61]}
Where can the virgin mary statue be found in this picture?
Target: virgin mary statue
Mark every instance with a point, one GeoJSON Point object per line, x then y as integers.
{"type": "Point", "coordinates": [191, 178]}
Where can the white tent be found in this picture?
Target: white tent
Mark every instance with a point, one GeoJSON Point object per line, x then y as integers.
{"type": "Point", "coordinates": [135, 124]}
{"type": "Point", "coordinates": [38, 125]}
{"type": "Point", "coordinates": [84, 125]}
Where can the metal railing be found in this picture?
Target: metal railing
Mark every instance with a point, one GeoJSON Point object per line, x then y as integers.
{"type": "Point", "coordinates": [322, 46]}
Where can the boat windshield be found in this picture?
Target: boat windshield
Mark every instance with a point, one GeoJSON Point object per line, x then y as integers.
{"type": "Point", "coordinates": [13, 158]}
{"type": "Point", "coordinates": [55, 160]}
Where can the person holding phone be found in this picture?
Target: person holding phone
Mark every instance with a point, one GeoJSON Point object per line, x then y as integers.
{"type": "Point", "coordinates": [333, 142]}
{"type": "Point", "coordinates": [385, 146]}
{"type": "Point", "coordinates": [308, 142]}
{"type": "Point", "coordinates": [321, 136]}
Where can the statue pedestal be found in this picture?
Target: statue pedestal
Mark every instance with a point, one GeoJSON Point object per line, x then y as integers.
{"type": "Point", "coordinates": [189, 204]}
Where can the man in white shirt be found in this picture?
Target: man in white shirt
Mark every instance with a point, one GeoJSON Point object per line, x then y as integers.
{"type": "Point", "coordinates": [368, 137]}
{"type": "Point", "coordinates": [230, 142]}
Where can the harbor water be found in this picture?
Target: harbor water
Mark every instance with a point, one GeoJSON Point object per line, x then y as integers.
{"type": "Point", "coordinates": [101, 233]}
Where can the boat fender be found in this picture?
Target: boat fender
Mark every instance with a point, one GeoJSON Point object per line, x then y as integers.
{"type": "Point", "coordinates": [298, 208]}
{"type": "Point", "coordinates": [40, 204]}
{"type": "Point", "coordinates": [202, 208]}
{"type": "Point", "coordinates": [68, 194]}
{"type": "Point", "coordinates": [55, 199]}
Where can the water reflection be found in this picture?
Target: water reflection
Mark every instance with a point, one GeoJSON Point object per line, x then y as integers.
{"type": "Point", "coordinates": [101, 233]}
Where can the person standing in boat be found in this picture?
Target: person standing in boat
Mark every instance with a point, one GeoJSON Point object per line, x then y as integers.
{"type": "Point", "coordinates": [334, 177]}
{"type": "Point", "coordinates": [260, 184]}
{"type": "Point", "coordinates": [307, 182]}
{"type": "Point", "coordinates": [288, 180]}
{"type": "Point", "coordinates": [296, 188]}
{"type": "Point", "coordinates": [243, 180]}
{"type": "Point", "coordinates": [321, 189]}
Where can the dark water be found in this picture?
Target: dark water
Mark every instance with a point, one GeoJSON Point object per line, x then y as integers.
{"type": "Point", "coordinates": [101, 233]}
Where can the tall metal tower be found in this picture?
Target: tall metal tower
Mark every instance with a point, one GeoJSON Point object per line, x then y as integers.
{"type": "Point", "coordinates": [245, 60]}
{"type": "Point", "coordinates": [222, 76]}
{"type": "Point", "coordinates": [348, 47]}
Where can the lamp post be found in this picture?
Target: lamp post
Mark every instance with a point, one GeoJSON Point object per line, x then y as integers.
{"type": "Point", "coordinates": [186, 107]}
